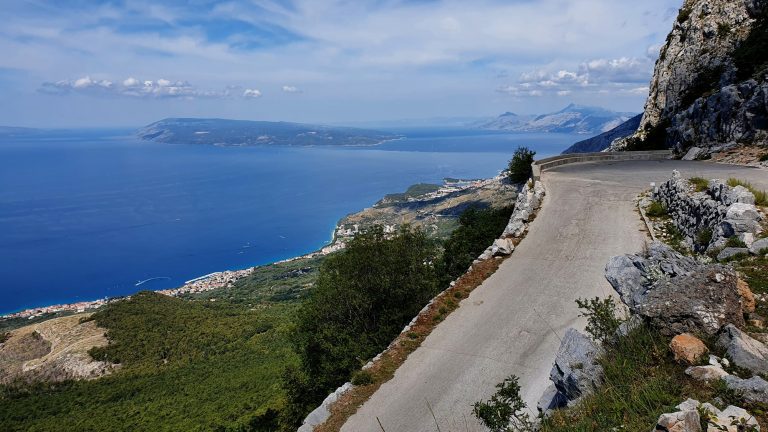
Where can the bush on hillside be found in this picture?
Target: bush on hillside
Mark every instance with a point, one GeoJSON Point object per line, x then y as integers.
{"type": "Point", "coordinates": [520, 165]}
{"type": "Point", "coordinates": [656, 209]}
{"type": "Point", "coordinates": [505, 411]}
{"type": "Point", "coordinates": [363, 297]}
{"type": "Point", "coordinates": [602, 321]}
{"type": "Point", "coordinates": [477, 230]}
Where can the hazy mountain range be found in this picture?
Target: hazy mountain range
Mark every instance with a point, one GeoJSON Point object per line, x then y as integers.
{"type": "Point", "coordinates": [571, 119]}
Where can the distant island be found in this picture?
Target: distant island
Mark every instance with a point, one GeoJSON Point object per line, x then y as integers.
{"type": "Point", "coordinates": [224, 132]}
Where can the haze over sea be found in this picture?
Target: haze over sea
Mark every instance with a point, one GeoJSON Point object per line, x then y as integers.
{"type": "Point", "coordinates": [88, 214]}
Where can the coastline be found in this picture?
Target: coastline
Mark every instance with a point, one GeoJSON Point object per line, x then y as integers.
{"type": "Point", "coordinates": [344, 229]}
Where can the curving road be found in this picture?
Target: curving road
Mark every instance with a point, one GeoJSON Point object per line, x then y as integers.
{"type": "Point", "coordinates": [510, 324]}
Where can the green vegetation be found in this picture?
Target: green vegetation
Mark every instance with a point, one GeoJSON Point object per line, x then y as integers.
{"type": "Point", "coordinates": [477, 230]}
{"type": "Point", "coordinates": [195, 366]}
{"type": "Point", "coordinates": [734, 242]}
{"type": "Point", "coordinates": [704, 237]}
{"type": "Point", "coordinates": [361, 378]}
{"type": "Point", "coordinates": [705, 84]}
{"type": "Point", "coordinates": [4, 337]}
{"type": "Point", "coordinates": [411, 192]}
{"type": "Point", "coordinates": [699, 184]}
{"type": "Point", "coordinates": [751, 56]}
{"type": "Point", "coordinates": [684, 14]}
{"type": "Point", "coordinates": [761, 197]}
{"type": "Point", "coordinates": [754, 271]}
{"type": "Point", "coordinates": [723, 29]}
{"type": "Point", "coordinates": [642, 380]}
{"type": "Point", "coordinates": [655, 138]}
{"type": "Point", "coordinates": [520, 169]}
{"type": "Point", "coordinates": [763, 158]}
{"type": "Point", "coordinates": [505, 411]}
{"type": "Point", "coordinates": [282, 282]}
{"type": "Point", "coordinates": [602, 321]}
{"type": "Point", "coordinates": [363, 298]}
{"type": "Point", "coordinates": [656, 209]}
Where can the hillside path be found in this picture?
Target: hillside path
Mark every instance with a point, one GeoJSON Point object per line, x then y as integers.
{"type": "Point", "coordinates": [511, 323]}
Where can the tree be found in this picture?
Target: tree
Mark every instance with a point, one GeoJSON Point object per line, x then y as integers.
{"type": "Point", "coordinates": [520, 169]}
{"type": "Point", "coordinates": [363, 297]}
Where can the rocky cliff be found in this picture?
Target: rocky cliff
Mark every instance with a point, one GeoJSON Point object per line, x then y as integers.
{"type": "Point", "coordinates": [710, 85]}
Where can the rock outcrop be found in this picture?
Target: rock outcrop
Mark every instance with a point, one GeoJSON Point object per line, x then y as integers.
{"type": "Point", "coordinates": [710, 83]}
{"type": "Point", "coordinates": [675, 293]}
{"type": "Point", "coordinates": [745, 351]}
{"type": "Point", "coordinates": [689, 418]}
{"type": "Point", "coordinates": [707, 219]}
{"type": "Point", "coordinates": [576, 371]}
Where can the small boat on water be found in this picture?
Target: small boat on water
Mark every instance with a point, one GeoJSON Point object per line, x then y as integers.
{"type": "Point", "coordinates": [151, 279]}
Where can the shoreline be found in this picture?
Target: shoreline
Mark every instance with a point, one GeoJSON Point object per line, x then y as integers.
{"type": "Point", "coordinates": [226, 278]}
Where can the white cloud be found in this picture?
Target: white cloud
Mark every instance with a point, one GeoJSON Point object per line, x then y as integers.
{"type": "Point", "coordinates": [291, 89]}
{"type": "Point", "coordinates": [598, 76]}
{"type": "Point", "coordinates": [132, 87]}
{"type": "Point", "coordinates": [251, 93]}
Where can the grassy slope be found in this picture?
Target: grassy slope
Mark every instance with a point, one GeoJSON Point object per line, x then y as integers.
{"type": "Point", "coordinates": [186, 366]}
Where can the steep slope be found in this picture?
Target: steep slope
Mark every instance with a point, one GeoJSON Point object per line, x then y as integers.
{"type": "Point", "coordinates": [604, 140]}
{"type": "Point", "coordinates": [710, 85]}
{"type": "Point", "coordinates": [246, 133]}
{"type": "Point", "coordinates": [571, 119]}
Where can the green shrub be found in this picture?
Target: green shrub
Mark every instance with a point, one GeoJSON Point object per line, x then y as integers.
{"type": "Point", "coordinates": [763, 158]}
{"type": "Point", "coordinates": [362, 378]}
{"type": "Point", "coordinates": [477, 230]}
{"type": "Point", "coordinates": [602, 322]}
{"type": "Point", "coordinates": [761, 197]}
{"type": "Point", "coordinates": [4, 337]}
{"type": "Point", "coordinates": [656, 209]}
{"type": "Point", "coordinates": [505, 411]}
{"type": "Point", "coordinates": [363, 297]}
{"type": "Point", "coordinates": [684, 14]}
{"type": "Point", "coordinates": [751, 56]}
{"type": "Point", "coordinates": [723, 29]}
{"type": "Point", "coordinates": [520, 169]}
{"type": "Point", "coordinates": [704, 237]}
{"type": "Point", "coordinates": [734, 242]}
{"type": "Point", "coordinates": [699, 184]}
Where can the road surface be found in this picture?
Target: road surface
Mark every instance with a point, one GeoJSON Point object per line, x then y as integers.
{"type": "Point", "coordinates": [511, 324]}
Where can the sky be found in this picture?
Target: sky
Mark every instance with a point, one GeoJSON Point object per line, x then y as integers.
{"type": "Point", "coordinates": [77, 63]}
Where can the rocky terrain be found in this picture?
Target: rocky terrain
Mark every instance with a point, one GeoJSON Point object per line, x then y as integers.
{"type": "Point", "coordinates": [706, 309]}
{"type": "Point", "coordinates": [708, 218]}
{"type": "Point", "coordinates": [708, 92]}
{"type": "Point", "coordinates": [224, 132]}
{"type": "Point", "coordinates": [576, 119]}
{"type": "Point", "coordinates": [54, 350]}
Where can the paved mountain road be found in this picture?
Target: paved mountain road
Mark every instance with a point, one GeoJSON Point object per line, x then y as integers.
{"type": "Point", "coordinates": [510, 324]}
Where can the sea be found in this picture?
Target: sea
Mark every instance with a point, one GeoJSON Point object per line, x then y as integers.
{"type": "Point", "coordinates": [88, 214]}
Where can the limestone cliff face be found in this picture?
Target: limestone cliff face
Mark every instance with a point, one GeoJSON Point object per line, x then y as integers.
{"type": "Point", "coordinates": [710, 85]}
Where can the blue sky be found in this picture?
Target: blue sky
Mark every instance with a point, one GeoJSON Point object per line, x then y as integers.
{"type": "Point", "coordinates": [126, 63]}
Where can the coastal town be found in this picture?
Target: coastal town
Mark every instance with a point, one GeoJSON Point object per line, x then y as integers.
{"type": "Point", "coordinates": [386, 212]}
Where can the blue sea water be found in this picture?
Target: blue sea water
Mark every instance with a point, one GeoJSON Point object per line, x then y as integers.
{"type": "Point", "coordinates": [88, 214]}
